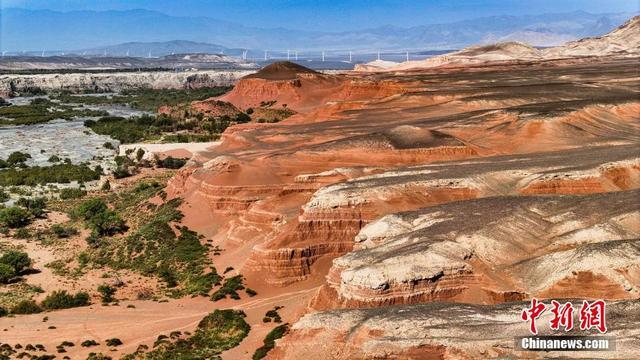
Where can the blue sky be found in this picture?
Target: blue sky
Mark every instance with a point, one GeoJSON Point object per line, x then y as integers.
{"type": "Point", "coordinates": [336, 14]}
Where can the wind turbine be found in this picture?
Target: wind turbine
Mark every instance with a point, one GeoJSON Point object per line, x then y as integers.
{"type": "Point", "coordinates": [288, 52]}
{"type": "Point", "coordinates": [265, 55]}
{"type": "Point", "coordinates": [42, 52]}
{"type": "Point", "coordinates": [127, 53]}
{"type": "Point", "coordinates": [350, 56]}
{"type": "Point", "coordinates": [296, 55]}
{"type": "Point", "coordinates": [149, 55]}
{"type": "Point", "coordinates": [323, 56]}
{"type": "Point", "coordinates": [378, 54]}
{"type": "Point", "coordinates": [407, 56]}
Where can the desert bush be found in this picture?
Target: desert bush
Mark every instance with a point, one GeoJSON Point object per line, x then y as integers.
{"type": "Point", "coordinates": [22, 233]}
{"type": "Point", "coordinates": [89, 343]}
{"type": "Point", "coordinates": [18, 260]}
{"type": "Point", "coordinates": [62, 231]}
{"type": "Point", "coordinates": [35, 206]}
{"type": "Point", "coordinates": [6, 273]}
{"type": "Point", "coordinates": [26, 307]}
{"type": "Point", "coordinates": [269, 341]}
{"type": "Point", "coordinates": [63, 300]}
{"type": "Point", "coordinates": [107, 293]}
{"type": "Point", "coordinates": [17, 158]}
{"type": "Point", "coordinates": [113, 342]}
{"type": "Point", "coordinates": [171, 163]}
{"type": "Point", "coordinates": [15, 217]}
{"type": "Point", "coordinates": [71, 193]}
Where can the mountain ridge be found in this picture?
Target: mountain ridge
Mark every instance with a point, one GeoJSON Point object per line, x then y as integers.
{"type": "Point", "coordinates": [86, 29]}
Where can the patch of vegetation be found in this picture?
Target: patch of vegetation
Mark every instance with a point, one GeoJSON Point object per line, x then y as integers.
{"type": "Point", "coordinates": [147, 99]}
{"type": "Point", "coordinates": [99, 218]}
{"type": "Point", "coordinates": [26, 307]}
{"type": "Point", "coordinates": [4, 196]}
{"type": "Point", "coordinates": [17, 260]}
{"type": "Point", "coordinates": [17, 158]}
{"type": "Point", "coordinates": [35, 206]}
{"type": "Point", "coordinates": [230, 288]}
{"type": "Point", "coordinates": [40, 111]}
{"type": "Point", "coordinates": [63, 300]}
{"type": "Point", "coordinates": [154, 246]}
{"type": "Point", "coordinates": [128, 130]}
{"type": "Point", "coordinates": [113, 342]}
{"type": "Point", "coordinates": [270, 341]}
{"type": "Point", "coordinates": [186, 138]}
{"type": "Point", "coordinates": [58, 173]}
{"type": "Point", "coordinates": [171, 163]}
{"type": "Point", "coordinates": [15, 217]}
{"type": "Point", "coordinates": [89, 343]}
{"type": "Point", "coordinates": [217, 332]}
{"type": "Point", "coordinates": [107, 293]}
{"type": "Point", "coordinates": [272, 315]}
{"type": "Point", "coordinates": [72, 193]}
{"type": "Point", "coordinates": [63, 232]}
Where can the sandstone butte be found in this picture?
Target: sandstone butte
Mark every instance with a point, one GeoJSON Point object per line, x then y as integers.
{"type": "Point", "coordinates": [422, 208]}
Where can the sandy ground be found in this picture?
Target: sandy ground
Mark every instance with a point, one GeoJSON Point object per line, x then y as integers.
{"type": "Point", "coordinates": [172, 149]}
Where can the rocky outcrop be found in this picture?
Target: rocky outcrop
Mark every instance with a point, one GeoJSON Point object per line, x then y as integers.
{"type": "Point", "coordinates": [493, 250]}
{"type": "Point", "coordinates": [113, 82]}
{"type": "Point", "coordinates": [442, 331]}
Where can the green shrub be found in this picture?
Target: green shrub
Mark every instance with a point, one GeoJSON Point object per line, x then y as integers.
{"type": "Point", "coordinates": [270, 341]}
{"type": "Point", "coordinates": [15, 217]}
{"type": "Point", "coordinates": [22, 233]}
{"type": "Point", "coordinates": [26, 307]}
{"type": "Point", "coordinates": [18, 260]}
{"type": "Point", "coordinates": [4, 196]}
{"type": "Point", "coordinates": [6, 273]}
{"type": "Point", "coordinates": [71, 193]}
{"type": "Point", "coordinates": [89, 343]}
{"type": "Point", "coordinates": [54, 158]}
{"type": "Point", "coordinates": [3, 313]}
{"type": "Point", "coordinates": [107, 293]}
{"type": "Point", "coordinates": [113, 342]}
{"type": "Point", "coordinates": [35, 206]}
{"type": "Point", "coordinates": [229, 288]}
{"type": "Point", "coordinates": [171, 163]}
{"type": "Point", "coordinates": [62, 231]}
{"type": "Point", "coordinates": [99, 218]}
{"type": "Point", "coordinates": [17, 158]}
{"type": "Point", "coordinates": [63, 300]}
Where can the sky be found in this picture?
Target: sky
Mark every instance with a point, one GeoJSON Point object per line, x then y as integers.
{"type": "Point", "coordinates": [336, 15]}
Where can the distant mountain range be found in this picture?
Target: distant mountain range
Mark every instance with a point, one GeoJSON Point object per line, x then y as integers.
{"type": "Point", "coordinates": [159, 48]}
{"type": "Point", "coordinates": [96, 31]}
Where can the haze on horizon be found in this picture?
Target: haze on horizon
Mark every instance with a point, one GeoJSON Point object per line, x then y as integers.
{"type": "Point", "coordinates": [78, 24]}
{"type": "Point", "coordinates": [336, 15]}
